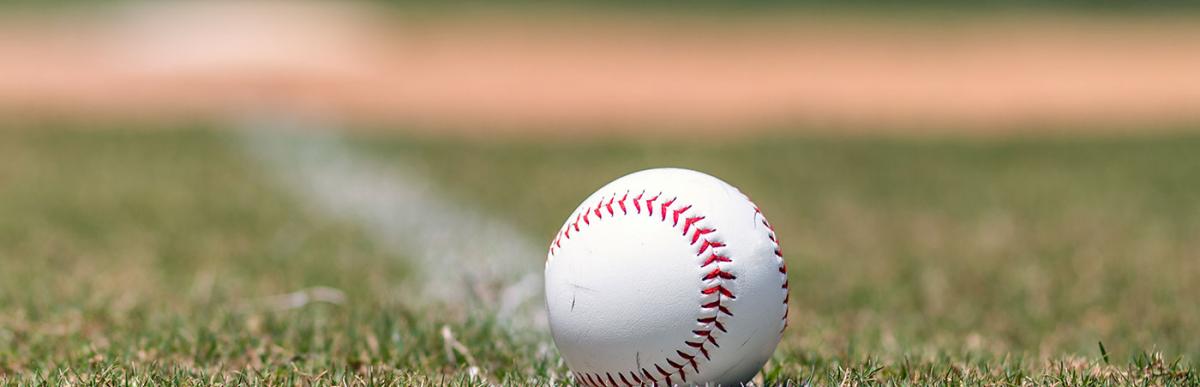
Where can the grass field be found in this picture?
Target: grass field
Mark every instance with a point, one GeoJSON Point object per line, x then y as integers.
{"type": "Point", "coordinates": [158, 256]}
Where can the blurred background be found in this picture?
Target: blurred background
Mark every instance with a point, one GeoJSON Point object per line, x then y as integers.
{"type": "Point", "coordinates": [223, 187]}
{"type": "Point", "coordinates": [583, 69]}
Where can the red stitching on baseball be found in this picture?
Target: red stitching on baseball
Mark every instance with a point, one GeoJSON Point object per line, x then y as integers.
{"type": "Point", "coordinates": [719, 289]}
{"type": "Point", "coordinates": [707, 243]}
{"type": "Point", "coordinates": [714, 258]}
{"type": "Point", "coordinates": [714, 279]}
{"type": "Point", "coordinates": [713, 321]}
{"type": "Point", "coordinates": [689, 222]}
{"type": "Point", "coordinates": [699, 232]}
{"type": "Point", "coordinates": [717, 304]}
{"type": "Point", "coordinates": [675, 218]}
{"type": "Point", "coordinates": [690, 358]}
{"type": "Point", "coordinates": [718, 273]}
{"type": "Point", "coordinates": [650, 203]}
{"type": "Point", "coordinates": [782, 264]}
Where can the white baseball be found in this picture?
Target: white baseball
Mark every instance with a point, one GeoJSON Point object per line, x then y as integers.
{"type": "Point", "coordinates": [666, 276]}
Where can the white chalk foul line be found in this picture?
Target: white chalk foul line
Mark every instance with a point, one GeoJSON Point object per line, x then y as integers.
{"type": "Point", "coordinates": [460, 252]}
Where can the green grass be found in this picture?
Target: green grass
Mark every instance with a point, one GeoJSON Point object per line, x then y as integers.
{"type": "Point", "coordinates": [152, 256]}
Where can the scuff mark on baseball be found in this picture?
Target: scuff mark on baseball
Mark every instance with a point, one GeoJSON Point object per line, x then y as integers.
{"type": "Point", "coordinates": [684, 268]}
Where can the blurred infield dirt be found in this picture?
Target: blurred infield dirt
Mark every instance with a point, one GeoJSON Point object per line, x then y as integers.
{"type": "Point", "coordinates": [569, 73]}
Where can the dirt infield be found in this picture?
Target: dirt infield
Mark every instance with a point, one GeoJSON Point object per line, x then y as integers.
{"type": "Point", "coordinates": [544, 73]}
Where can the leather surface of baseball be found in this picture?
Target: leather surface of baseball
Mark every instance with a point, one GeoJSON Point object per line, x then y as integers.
{"type": "Point", "coordinates": [666, 276]}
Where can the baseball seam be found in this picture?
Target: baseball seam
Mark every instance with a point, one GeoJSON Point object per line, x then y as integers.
{"type": "Point", "coordinates": [713, 275]}
{"type": "Point", "coordinates": [782, 263]}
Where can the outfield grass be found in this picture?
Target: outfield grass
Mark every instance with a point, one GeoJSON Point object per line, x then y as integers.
{"type": "Point", "coordinates": [155, 256]}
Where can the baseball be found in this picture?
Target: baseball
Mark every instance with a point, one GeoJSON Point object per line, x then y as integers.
{"type": "Point", "coordinates": [664, 277]}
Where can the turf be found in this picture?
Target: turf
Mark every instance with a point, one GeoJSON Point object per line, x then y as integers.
{"type": "Point", "coordinates": [156, 256]}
